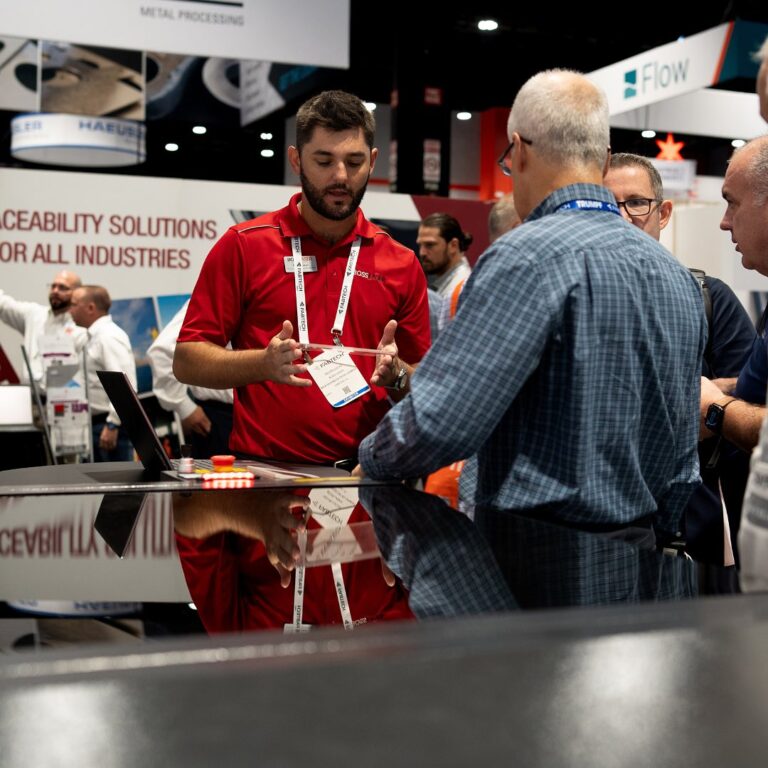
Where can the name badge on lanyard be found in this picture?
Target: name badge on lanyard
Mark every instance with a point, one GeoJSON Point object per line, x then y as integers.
{"type": "Point", "coordinates": [334, 371]}
{"type": "Point", "coordinates": [308, 263]}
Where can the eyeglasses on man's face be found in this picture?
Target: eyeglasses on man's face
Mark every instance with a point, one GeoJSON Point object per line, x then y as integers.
{"type": "Point", "coordinates": [638, 206]}
{"type": "Point", "coordinates": [501, 162]}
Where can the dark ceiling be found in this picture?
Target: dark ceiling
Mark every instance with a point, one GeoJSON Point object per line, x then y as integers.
{"type": "Point", "coordinates": [422, 41]}
{"type": "Point", "coordinates": [486, 69]}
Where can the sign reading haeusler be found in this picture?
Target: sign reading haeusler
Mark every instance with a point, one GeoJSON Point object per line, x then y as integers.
{"type": "Point", "coordinates": [291, 31]}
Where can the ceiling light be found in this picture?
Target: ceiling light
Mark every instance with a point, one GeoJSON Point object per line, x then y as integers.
{"type": "Point", "coordinates": [171, 147]}
{"type": "Point", "coordinates": [463, 115]}
{"type": "Point", "coordinates": [265, 136]}
{"type": "Point", "coordinates": [267, 152]}
{"type": "Point", "coordinates": [648, 134]}
{"type": "Point", "coordinates": [738, 143]}
{"type": "Point", "coordinates": [369, 105]}
{"type": "Point", "coordinates": [487, 25]}
{"type": "Point", "coordinates": [199, 130]}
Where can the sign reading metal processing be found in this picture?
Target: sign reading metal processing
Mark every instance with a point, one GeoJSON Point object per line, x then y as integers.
{"type": "Point", "coordinates": [295, 31]}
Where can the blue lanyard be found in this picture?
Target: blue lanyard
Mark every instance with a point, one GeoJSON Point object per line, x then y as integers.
{"type": "Point", "coordinates": [589, 205]}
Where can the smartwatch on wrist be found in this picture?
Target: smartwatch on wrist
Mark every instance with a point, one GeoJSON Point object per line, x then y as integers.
{"type": "Point", "coordinates": [716, 416]}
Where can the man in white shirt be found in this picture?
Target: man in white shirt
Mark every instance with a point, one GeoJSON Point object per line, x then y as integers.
{"type": "Point", "coordinates": [206, 414]}
{"type": "Point", "coordinates": [108, 349]}
{"type": "Point", "coordinates": [37, 320]}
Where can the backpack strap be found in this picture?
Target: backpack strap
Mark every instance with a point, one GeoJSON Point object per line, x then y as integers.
{"type": "Point", "coordinates": [706, 295]}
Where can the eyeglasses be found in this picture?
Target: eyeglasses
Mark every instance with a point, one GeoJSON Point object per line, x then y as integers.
{"type": "Point", "coordinates": [59, 287]}
{"type": "Point", "coordinates": [505, 169]}
{"type": "Point", "coordinates": [638, 206]}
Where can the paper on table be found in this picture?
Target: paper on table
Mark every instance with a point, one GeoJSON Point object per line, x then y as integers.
{"type": "Point", "coordinates": [269, 472]}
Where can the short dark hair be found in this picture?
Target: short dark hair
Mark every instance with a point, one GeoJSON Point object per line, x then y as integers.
{"type": "Point", "coordinates": [335, 111]}
{"type": "Point", "coordinates": [449, 228]}
{"type": "Point", "coordinates": [628, 160]}
{"type": "Point", "coordinates": [99, 295]}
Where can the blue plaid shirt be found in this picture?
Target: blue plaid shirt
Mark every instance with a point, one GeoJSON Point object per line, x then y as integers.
{"type": "Point", "coordinates": [571, 368]}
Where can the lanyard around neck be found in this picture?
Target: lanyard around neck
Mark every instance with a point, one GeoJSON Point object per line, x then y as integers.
{"type": "Point", "coordinates": [297, 624]}
{"type": "Point", "coordinates": [301, 297]}
{"type": "Point", "coordinates": [588, 205]}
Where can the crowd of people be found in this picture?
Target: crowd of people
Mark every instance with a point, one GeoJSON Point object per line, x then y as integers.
{"type": "Point", "coordinates": [582, 372]}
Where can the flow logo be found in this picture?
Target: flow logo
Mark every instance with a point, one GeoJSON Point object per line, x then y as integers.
{"type": "Point", "coordinates": [654, 76]}
{"type": "Point", "coordinates": [630, 84]}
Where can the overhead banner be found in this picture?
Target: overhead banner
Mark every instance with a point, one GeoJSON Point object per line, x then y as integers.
{"type": "Point", "coordinates": [669, 70]}
{"type": "Point", "coordinates": [77, 140]}
{"type": "Point", "coordinates": [293, 31]}
{"type": "Point", "coordinates": [668, 88]}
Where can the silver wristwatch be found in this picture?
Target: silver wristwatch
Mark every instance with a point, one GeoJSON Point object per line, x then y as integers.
{"type": "Point", "coordinates": [401, 380]}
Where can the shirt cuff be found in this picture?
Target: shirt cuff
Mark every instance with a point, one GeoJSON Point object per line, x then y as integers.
{"type": "Point", "coordinates": [365, 456]}
{"type": "Point", "coordinates": [186, 408]}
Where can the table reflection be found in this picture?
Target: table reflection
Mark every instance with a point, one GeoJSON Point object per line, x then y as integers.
{"type": "Point", "coordinates": [287, 560]}
{"type": "Point", "coordinates": [299, 558]}
{"type": "Point", "coordinates": [454, 566]}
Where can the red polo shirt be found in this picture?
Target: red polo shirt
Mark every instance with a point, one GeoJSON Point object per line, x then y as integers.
{"type": "Point", "coordinates": [236, 589]}
{"type": "Point", "coordinates": [245, 292]}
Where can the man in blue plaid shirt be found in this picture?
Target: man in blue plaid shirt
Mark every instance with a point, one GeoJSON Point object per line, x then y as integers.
{"type": "Point", "coordinates": [572, 366]}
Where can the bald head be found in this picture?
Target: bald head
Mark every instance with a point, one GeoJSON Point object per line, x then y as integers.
{"type": "Point", "coordinates": [502, 217]}
{"type": "Point", "coordinates": [745, 190]}
{"type": "Point", "coordinates": [60, 293]}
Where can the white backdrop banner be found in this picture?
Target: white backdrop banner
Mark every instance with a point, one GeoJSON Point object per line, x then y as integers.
{"type": "Point", "coordinates": [669, 70]}
{"type": "Point", "coordinates": [137, 236]}
{"type": "Point", "coordinates": [291, 31]}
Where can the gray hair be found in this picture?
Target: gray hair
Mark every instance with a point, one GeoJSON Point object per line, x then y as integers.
{"type": "Point", "coordinates": [628, 160]}
{"type": "Point", "coordinates": [502, 217]}
{"type": "Point", "coordinates": [564, 115]}
{"type": "Point", "coordinates": [757, 167]}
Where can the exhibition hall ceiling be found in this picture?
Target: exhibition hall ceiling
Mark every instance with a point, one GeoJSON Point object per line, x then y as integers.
{"type": "Point", "coordinates": [415, 43]}
{"type": "Point", "coordinates": [486, 69]}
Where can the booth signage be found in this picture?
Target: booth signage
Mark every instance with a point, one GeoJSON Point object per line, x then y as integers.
{"type": "Point", "coordinates": [273, 30]}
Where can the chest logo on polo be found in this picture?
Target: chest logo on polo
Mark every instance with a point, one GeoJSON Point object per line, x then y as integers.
{"type": "Point", "coordinates": [369, 275]}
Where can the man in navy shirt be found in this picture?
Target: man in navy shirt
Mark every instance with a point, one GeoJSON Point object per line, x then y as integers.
{"type": "Point", "coordinates": [639, 193]}
{"type": "Point", "coordinates": [735, 408]}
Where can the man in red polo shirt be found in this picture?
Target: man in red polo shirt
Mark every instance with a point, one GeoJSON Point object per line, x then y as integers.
{"type": "Point", "coordinates": [316, 272]}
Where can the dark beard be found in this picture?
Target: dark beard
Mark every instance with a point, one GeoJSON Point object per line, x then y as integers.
{"type": "Point", "coordinates": [59, 305]}
{"type": "Point", "coordinates": [314, 197]}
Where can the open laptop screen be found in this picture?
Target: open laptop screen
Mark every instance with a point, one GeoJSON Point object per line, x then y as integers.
{"type": "Point", "coordinates": [135, 421]}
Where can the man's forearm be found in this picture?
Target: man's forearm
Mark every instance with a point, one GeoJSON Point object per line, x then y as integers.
{"type": "Point", "coordinates": [207, 365]}
{"type": "Point", "coordinates": [741, 424]}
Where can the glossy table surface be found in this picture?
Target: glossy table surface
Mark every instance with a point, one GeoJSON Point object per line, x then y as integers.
{"type": "Point", "coordinates": [498, 638]}
{"type": "Point", "coordinates": [235, 554]}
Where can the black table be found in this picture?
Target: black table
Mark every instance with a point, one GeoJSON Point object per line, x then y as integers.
{"type": "Point", "coordinates": [500, 639]}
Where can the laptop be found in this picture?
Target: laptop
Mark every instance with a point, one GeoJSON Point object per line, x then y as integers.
{"type": "Point", "coordinates": [136, 423]}
{"type": "Point", "coordinates": [117, 517]}
{"type": "Point", "coordinates": [153, 457]}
